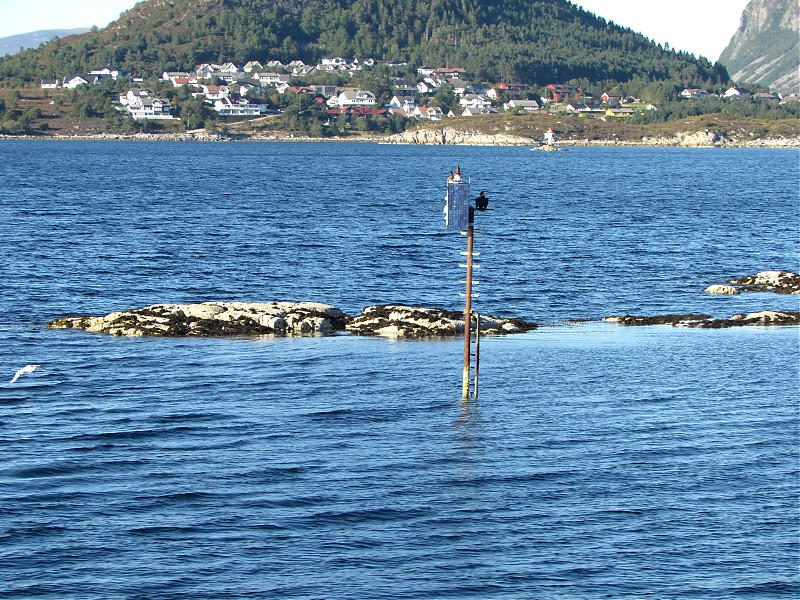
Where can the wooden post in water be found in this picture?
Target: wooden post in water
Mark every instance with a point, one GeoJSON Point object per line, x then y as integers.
{"type": "Point", "coordinates": [468, 305]}
{"type": "Point", "coordinates": [477, 352]}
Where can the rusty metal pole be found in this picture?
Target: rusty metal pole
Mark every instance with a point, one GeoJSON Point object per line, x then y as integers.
{"type": "Point", "coordinates": [468, 305]}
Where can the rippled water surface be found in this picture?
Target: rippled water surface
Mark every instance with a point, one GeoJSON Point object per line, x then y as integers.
{"type": "Point", "coordinates": [598, 461]}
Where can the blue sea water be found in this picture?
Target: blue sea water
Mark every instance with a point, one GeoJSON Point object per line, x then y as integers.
{"type": "Point", "coordinates": [598, 461]}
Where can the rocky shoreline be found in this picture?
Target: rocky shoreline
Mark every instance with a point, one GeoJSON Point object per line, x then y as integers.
{"type": "Point", "coordinates": [699, 139]}
{"type": "Point", "coordinates": [439, 136]}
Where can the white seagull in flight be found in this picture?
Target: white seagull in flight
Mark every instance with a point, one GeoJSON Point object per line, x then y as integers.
{"type": "Point", "coordinates": [26, 370]}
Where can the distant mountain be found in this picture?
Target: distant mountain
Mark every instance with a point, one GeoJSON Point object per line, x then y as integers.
{"type": "Point", "coordinates": [537, 41]}
{"type": "Point", "coordinates": [765, 49]}
{"type": "Point", "coordinates": [13, 43]}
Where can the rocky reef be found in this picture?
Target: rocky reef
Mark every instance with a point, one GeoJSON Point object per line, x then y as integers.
{"type": "Point", "coordinates": [764, 317]}
{"type": "Point", "coordinates": [414, 321]}
{"type": "Point", "coordinates": [229, 319]}
{"type": "Point", "coordinates": [780, 282]}
{"type": "Point", "coordinates": [214, 319]}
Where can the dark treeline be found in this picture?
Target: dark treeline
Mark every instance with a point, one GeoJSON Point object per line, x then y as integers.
{"type": "Point", "coordinates": [539, 42]}
{"type": "Point", "coordinates": [769, 110]}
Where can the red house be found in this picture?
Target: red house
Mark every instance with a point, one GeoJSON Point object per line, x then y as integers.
{"type": "Point", "coordinates": [563, 91]}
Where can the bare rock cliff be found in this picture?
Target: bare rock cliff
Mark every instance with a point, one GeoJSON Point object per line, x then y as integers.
{"type": "Point", "coordinates": [449, 135]}
{"type": "Point", "coordinates": [766, 47]}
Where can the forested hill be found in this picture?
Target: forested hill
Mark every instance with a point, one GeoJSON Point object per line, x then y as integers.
{"type": "Point", "coordinates": [539, 41]}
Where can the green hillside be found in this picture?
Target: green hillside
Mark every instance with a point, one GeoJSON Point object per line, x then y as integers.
{"type": "Point", "coordinates": [538, 41]}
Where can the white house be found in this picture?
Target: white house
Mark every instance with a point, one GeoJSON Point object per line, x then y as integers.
{"type": "Point", "coordinates": [73, 81]}
{"type": "Point", "coordinates": [239, 107]}
{"type": "Point", "coordinates": [612, 99]}
{"type": "Point", "coordinates": [435, 82]}
{"type": "Point", "coordinates": [171, 76]}
{"type": "Point", "coordinates": [214, 92]}
{"type": "Point", "coordinates": [248, 86]}
{"type": "Point", "coordinates": [205, 70]}
{"type": "Point", "coordinates": [134, 95]}
{"type": "Point", "coordinates": [304, 70]}
{"type": "Point", "coordinates": [460, 87]}
{"type": "Point", "coordinates": [147, 107]}
{"type": "Point", "coordinates": [336, 61]}
{"type": "Point", "coordinates": [578, 107]}
{"type": "Point", "coordinates": [407, 103]}
{"type": "Point", "coordinates": [433, 113]}
{"type": "Point", "coordinates": [474, 101]}
{"type": "Point", "coordinates": [524, 105]}
{"type": "Point", "coordinates": [353, 98]}
{"type": "Point", "coordinates": [737, 92]}
{"type": "Point", "coordinates": [229, 69]}
{"type": "Point", "coordinates": [112, 72]}
{"type": "Point", "coordinates": [252, 65]}
{"type": "Point", "coordinates": [471, 112]}
{"type": "Point", "coordinates": [694, 93]}
{"type": "Point", "coordinates": [49, 84]}
{"type": "Point", "coordinates": [272, 78]}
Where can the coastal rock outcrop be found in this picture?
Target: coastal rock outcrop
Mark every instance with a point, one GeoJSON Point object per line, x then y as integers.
{"type": "Point", "coordinates": [214, 319]}
{"type": "Point", "coordinates": [780, 282]}
{"type": "Point", "coordinates": [229, 319]}
{"type": "Point", "coordinates": [700, 139]}
{"type": "Point", "coordinates": [764, 317]}
{"type": "Point", "coordinates": [449, 135]}
{"type": "Point", "coordinates": [414, 321]}
{"type": "Point", "coordinates": [722, 289]}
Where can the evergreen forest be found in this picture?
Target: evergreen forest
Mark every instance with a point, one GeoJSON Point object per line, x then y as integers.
{"type": "Point", "coordinates": [538, 42]}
